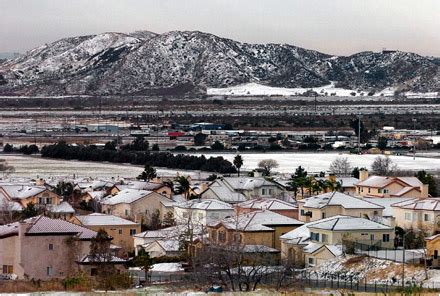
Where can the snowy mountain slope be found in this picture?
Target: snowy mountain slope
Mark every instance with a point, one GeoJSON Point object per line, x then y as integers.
{"type": "Point", "coordinates": [144, 62]}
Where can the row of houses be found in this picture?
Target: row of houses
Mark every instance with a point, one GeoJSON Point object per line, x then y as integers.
{"type": "Point", "coordinates": [258, 214]}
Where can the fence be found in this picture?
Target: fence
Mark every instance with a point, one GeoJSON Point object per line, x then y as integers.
{"type": "Point", "coordinates": [392, 254]}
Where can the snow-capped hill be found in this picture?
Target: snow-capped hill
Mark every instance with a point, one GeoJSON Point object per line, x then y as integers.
{"type": "Point", "coordinates": [183, 61]}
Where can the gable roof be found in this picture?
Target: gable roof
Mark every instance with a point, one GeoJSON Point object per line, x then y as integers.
{"type": "Point", "coordinates": [272, 204]}
{"type": "Point", "coordinates": [126, 196]}
{"type": "Point", "coordinates": [63, 207]}
{"type": "Point", "coordinates": [22, 191]}
{"type": "Point", "coordinates": [204, 204]}
{"type": "Point", "coordinates": [427, 204]}
{"type": "Point", "coordinates": [257, 221]}
{"type": "Point", "coordinates": [9, 229]}
{"type": "Point", "coordinates": [338, 199]}
{"type": "Point", "coordinates": [345, 223]}
{"type": "Point", "coordinates": [382, 181]}
{"type": "Point", "coordinates": [98, 219]}
{"type": "Point", "coordinates": [44, 225]}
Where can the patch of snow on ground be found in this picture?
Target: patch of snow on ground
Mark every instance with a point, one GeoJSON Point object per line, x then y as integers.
{"type": "Point", "coordinates": [166, 267]}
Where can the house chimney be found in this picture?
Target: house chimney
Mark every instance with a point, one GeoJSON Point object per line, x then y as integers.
{"type": "Point", "coordinates": [363, 175]}
{"type": "Point", "coordinates": [424, 189]}
{"type": "Point", "coordinates": [40, 182]}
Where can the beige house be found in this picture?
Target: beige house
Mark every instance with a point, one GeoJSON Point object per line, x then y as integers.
{"type": "Point", "coordinates": [137, 205]}
{"type": "Point", "coordinates": [335, 203]}
{"type": "Point", "coordinates": [160, 248]}
{"type": "Point", "coordinates": [433, 250]}
{"type": "Point", "coordinates": [418, 214]}
{"type": "Point", "coordinates": [143, 185]}
{"type": "Point", "coordinates": [201, 211]}
{"type": "Point", "coordinates": [24, 194]}
{"type": "Point", "coordinates": [45, 248]}
{"type": "Point", "coordinates": [322, 240]}
{"type": "Point", "coordinates": [121, 230]}
{"type": "Point", "coordinates": [380, 187]}
{"type": "Point", "coordinates": [254, 228]}
{"type": "Point", "coordinates": [238, 189]}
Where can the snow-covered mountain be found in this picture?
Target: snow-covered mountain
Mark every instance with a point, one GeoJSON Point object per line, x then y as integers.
{"type": "Point", "coordinates": [179, 62]}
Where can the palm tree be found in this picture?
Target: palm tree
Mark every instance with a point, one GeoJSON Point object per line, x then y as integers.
{"type": "Point", "coordinates": [183, 186]}
{"type": "Point", "coordinates": [238, 162]}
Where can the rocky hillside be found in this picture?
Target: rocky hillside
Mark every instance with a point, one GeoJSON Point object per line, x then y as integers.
{"type": "Point", "coordinates": [181, 62]}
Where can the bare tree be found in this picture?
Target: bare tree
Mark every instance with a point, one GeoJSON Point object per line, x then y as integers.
{"type": "Point", "coordinates": [267, 165]}
{"type": "Point", "coordinates": [341, 167]}
{"type": "Point", "coordinates": [383, 166]}
{"type": "Point", "coordinates": [5, 169]}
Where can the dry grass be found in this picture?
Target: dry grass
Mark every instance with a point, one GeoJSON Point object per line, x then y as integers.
{"type": "Point", "coordinates": [353, 260]}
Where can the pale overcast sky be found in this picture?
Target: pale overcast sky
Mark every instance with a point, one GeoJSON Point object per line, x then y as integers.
{"type": "Point", "coordinates": [331, 26]}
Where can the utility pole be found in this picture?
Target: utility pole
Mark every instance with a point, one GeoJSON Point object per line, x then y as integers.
{"type": "Point", "coordinates": [359, 135]}
{"type": "Point", "coordinates": [414, 138]}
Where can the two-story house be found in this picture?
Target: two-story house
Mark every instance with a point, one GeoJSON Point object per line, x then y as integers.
{"type": "Point", "coordinates": [25, 194]}
{"type": "Point", "coordinates": [384, 186]}
{"type": "Point", "coordinates": [322, 240]}
{"type": "Point", "coordinates": [335, 203]}
{"type": "Point", "coordinates": [201, 211]}
{"type": "Point", "coordinates": [272, 204]}
{"type": "Point", "coordinates": [418, 214]}
{"type": "Point", "coordinates": [120, 229]}
{"type": "Point", "coordinates": [255, 228]}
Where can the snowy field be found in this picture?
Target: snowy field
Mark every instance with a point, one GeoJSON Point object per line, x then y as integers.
{"type": "Point", "coordinates": [34, 167]}
{"type": "Point", "coordinates": [255, 89]}
{"type": "Point", "coordinates": [316, 162]}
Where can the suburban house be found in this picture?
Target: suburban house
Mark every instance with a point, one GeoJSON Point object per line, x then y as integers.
{"type": "Point", "coordinates": [255, 228]}
{"type": "Point", "coordinates": [433, 250]}
{"type": "Point", "coordinates": [159, 248]}
{"type": "Point", "coordinates": [170, 233]}
{"type": "Point", "coordinates": [272, 204]}
{"type": "Point", "coordinates": [44, 248]}
{"type": "Point", "coordinates": [380, 187]}
{"type": "Point", "coordinates": [238, 189]}
{"type": "Point", "coordinates": [62, 211]}
{"type": "Point", "coordinates": [24, 194]}
{"type": "Point", "coordinates": [418, 214]}
{"type": "Point", "coordinates": [201, 211]}
{"type": "Point", "coordinates": [322, 240]}
{"type": "Point", "coordinates": [143, 185]}
{"type": "Point", "coordinates": [121, 230]}
{"type": "Point", "coordinates": [335, 203]}
{"type": "Point", "coordinates": [137, 205]}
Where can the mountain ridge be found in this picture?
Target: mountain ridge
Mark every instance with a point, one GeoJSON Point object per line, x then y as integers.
{"type": "Point", "coordinates": [179, 62]}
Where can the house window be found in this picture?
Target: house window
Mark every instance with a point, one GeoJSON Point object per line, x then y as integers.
{"type": "Point", "coordinates": [427, 217]}
{"type": "Point", "coordinates": [237, 237]}
{"type": "Point", "coordinates": [126, 212]}
{"type": "Point", "coordinates": [408, 216]}
{"type": "Point", "coordinates": [314, 236]}
{"type": "Point", "coordinates": [311, 261]}
{"type": "Point", "coordinates": [385, 237]}
{"type": "Point", "coordinates": [94, 272]}
{"type": "Point", "coordinates": [263, 191]}
{"type": "Point", "coordinates": [132, 231]}
{"type": "Point", "coordinates": [41, 200]}
{"type": "Point", "coordinates": [49, 200]}
{"type": "Point", "coordinates": [221, 236]}
{"type": "Point", "coordinates": [369, 190]}
{"type": "Point", "coordinates": [8, 269]}
{"type": "Point", "coordinates": [386, 191]}
{"type": "Point", "coordinates": [435, 254]}
{"type": "Point", "coordinates": [214, 235]}
{"type": "Point", "coordinates": [50, 247]}
{"type": "Point", "coordinates": [322, 215]}
{"type": "Point", "coordinates": [49, 271]}
{"type": "Point", "coordinates": [120, 231]}
{"type": "Point", "coordinates": [372, 237]}
{"type": "Point", "coordinates": [270, 191]}
{"type": "Point", "coordinates": [324, 238]}
{"type": "Point", "coordinates": [302, 212]}
{"type": "Point", "coordinates": [379, 190]}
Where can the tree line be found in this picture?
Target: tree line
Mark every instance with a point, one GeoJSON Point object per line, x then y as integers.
{"type": "Point", "coordinates": [129, 154]}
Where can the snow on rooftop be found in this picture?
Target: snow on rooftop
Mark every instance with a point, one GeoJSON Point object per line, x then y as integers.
{"type": "Point", "coordinates": [103, 219]}
{"type": "Point", "coordinates": [339, 199]}
{"type": "Point", "coordinates": [126, 196]}
{"type": "Point", "coordinates": [205, 204]}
